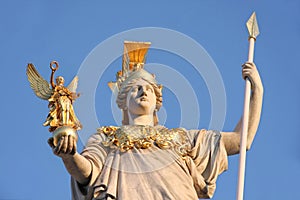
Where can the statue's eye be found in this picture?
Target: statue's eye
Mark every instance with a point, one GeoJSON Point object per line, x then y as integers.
{"type": "Point", "coordinates": [134, 89]}
{"type": "Point", "coordinates": [149, 88]}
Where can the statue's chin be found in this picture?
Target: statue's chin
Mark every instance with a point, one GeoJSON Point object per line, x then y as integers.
{"type": "Point", "coordinates": [63, 131]}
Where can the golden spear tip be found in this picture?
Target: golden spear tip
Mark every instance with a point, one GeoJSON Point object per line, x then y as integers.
{"type": "Point", "coordinates": [252, 26]}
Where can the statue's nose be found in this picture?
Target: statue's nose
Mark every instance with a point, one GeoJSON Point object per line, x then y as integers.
{"type": "Point", "coordinates": [143, 91]}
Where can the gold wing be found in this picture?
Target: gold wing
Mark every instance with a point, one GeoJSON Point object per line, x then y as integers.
{"type": "Point", "coordinates": [73, 85]}
{"type": "Point", "coordinates": [38, 84]}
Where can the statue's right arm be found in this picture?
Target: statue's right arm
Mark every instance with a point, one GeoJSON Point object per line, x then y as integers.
{"type": "Point", "coordinates": [79, 167]}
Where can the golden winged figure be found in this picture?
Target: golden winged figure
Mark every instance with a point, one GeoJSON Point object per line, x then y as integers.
{"type": "Point", "coordinates": [60, 98]}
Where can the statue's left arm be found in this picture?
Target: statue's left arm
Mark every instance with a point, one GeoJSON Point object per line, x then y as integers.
{"type": "Point", "coordinates": [231, 140]}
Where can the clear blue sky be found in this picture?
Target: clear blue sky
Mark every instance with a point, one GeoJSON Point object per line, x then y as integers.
{"type": "Point", "coordinates": [67, 31]}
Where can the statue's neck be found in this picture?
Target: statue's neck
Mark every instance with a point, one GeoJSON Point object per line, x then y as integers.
{"type": "Point", "coordinates": [141, 120]}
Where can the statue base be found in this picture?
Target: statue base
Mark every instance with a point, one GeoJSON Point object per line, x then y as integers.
{"type": "Point", "coordinates": [63, 131]}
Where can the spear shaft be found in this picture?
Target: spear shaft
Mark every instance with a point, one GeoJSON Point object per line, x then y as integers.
{"type": "Point", "coordinates": [253, 32]}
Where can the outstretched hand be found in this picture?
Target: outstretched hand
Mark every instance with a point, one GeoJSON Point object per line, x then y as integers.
{"type": "Point", "coordinates": [250, 71]}
{"type": "Point", "coordinates": [66, 146]}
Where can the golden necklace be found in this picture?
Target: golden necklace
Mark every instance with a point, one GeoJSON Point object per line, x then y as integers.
{"type": "Point", "coordinates": [142, 137]}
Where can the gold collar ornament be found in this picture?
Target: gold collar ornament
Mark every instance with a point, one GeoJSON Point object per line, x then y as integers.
{"type": "Point", "coordinates": [128, 137]}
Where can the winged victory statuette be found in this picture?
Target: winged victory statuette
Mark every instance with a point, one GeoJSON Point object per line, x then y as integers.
{"type": "Point", "coordinates": [61, 118]}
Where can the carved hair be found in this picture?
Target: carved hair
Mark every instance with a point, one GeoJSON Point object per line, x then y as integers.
{"type": "Point", "coordinates": [126, 87]}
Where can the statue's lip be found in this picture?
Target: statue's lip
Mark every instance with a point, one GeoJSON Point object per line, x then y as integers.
{"type": "Point", "coordinates": [143, 98]}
